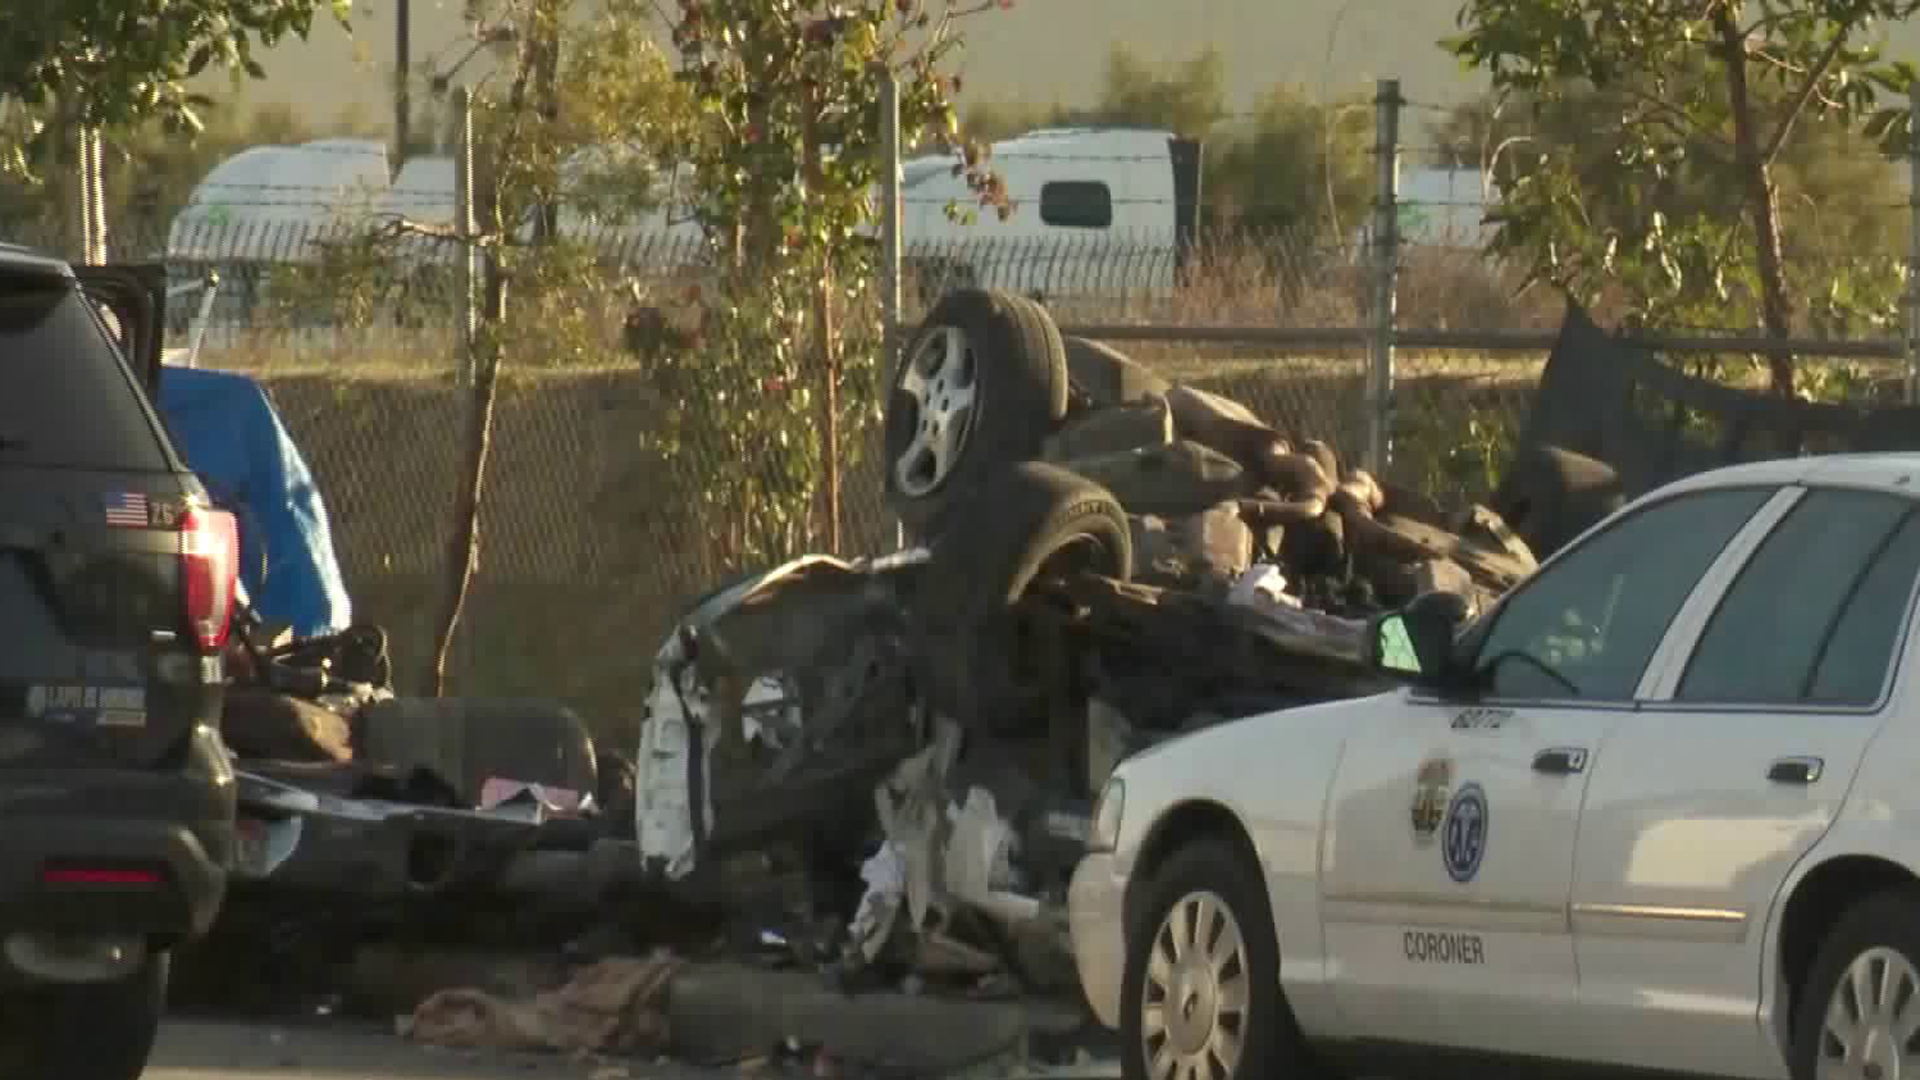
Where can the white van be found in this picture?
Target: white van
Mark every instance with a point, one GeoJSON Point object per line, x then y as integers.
{"type": "Point", "coordinates": [1097, 210]}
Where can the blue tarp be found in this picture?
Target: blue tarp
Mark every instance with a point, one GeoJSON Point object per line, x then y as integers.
{"type": "Point", "coordinates": [231, 436]}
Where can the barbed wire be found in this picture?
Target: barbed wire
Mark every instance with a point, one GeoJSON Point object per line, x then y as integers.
{"type": "Point", "coordinates": [1024, 198]}
{"type": "Point", "coordinates": [1298, 232]}
{"type": "Point", "coordinates": [426, 198]}
{"type": "Point", "coordinates": [1549, 145]}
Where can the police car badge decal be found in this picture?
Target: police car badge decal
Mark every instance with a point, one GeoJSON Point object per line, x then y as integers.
{"type": "Point", "coordinates": [1463, 837]}
{"type": "Point", "coordinates": [1432, 785]}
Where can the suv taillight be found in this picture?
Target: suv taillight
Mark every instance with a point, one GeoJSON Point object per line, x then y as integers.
{"type": "Point", "coordinates": [210, 568]}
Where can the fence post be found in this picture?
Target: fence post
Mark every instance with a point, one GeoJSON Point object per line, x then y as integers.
{"type": "Point", "coordinates": [83, 166]}
{"type": "Point", "coordinates": [1386, 268]}
{"type": "Point", "coordinates": [96, 195]}
{"type": "Point", "coordinates": [463, 225]}
{"type": "Point", "coordinates": [1913, 244]}
{"type": "Point", "coordinates": [892, 243]}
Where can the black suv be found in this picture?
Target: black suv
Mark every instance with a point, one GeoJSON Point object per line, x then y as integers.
{"type": "Point", "coordinates": [117, 584]}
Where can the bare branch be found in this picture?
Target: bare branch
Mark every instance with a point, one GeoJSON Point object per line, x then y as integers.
{"type": "Point", "coordinates": [1808, 90]}
{"type": "Point", "coordinates": [1677, 118]}
{"type": "Point", "coordinates": [1766, 57]}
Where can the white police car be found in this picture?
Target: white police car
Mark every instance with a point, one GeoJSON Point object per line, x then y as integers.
{"type": "Point", "coordinates": [1658, 809]}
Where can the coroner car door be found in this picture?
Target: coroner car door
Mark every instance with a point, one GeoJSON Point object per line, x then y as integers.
{"type": "Point", "coordinates": [1450, 853]}
{"type": "Point", "coordinates": [1702, 802]}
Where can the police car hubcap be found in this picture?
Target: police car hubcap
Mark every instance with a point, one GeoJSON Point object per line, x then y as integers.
{"type": "Point", "coordinates": [1873, 1020]}
{"type": "Point", "coordinates": [940, 380]}
{"type": "Point", "coordinates": [1194, 1002]}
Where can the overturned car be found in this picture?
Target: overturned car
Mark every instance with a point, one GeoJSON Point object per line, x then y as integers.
{"type": "Point", "coordinates": [1101, 560]}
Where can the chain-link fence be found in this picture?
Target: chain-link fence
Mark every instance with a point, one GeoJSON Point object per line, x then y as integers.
{"type": "Point", "coordinates": [621, 485]}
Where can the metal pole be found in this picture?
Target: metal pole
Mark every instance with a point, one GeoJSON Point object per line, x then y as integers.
{"type": "Point", "coordinates": [83, 177]}
{"type": "Point", "coordinates": [547, 86]}
{"type": "Point", "coordinates": [97, 195]}
{"type": "Point", "coordinates": [209, 288]}
{"type": "Point", "coordinates": [1913, 244]}
{"type": "Point", "coordinates": [892, 240]}
{"type": "Point", "coordinates": [402, 88]}
{"type": "Point", "coordinates": [464, 227]}
{"type": "Point", "coordinates": [1386, 252]}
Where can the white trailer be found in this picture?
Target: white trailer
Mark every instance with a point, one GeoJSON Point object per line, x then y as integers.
{"type": "Point", "coordinates": [271, 202]}
{"type": "Point", "coordinates": [1096, 210]}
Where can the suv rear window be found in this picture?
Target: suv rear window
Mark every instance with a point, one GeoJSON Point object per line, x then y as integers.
{"type": "Point", "coordinates": [69, 400]}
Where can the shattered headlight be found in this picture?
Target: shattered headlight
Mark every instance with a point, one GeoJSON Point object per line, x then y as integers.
{"type": "Point", "coordinates": [1105, 835]}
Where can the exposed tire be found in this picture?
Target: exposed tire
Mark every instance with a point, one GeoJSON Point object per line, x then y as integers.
{"type": "Point", "coordinates": [980, 386]}
{"type": "Point", "coordinates": [1109, 376]}
{"type": "Point", "coordinates": [1551, 495]}
{"type": "Point", "coordinates": [85, 1031]}
{"type": "Point", "coordinates": [467, 741]}
{"type": "Point", "coordinates": [1031, 518]}
{"type": "Point", "coordinates": [935, 277]}
{"type": "Point", "coordinates": [1231, 1019]}
{"type": "Point", "coordinates": [1880, 938]}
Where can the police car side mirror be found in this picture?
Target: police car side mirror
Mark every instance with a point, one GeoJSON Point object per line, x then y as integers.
{"type": "Point", "coordinates": [1391, 647]}
{"type": "Point", "coordinates": [1416, 642]}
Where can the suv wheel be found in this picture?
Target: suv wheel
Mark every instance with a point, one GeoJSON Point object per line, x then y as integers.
{"type": "Point", "coordinates": [85, 1031]}
{"type": "Point", "coordinates": [1856, 1013]}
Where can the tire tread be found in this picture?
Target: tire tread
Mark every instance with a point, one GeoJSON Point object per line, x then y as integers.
{"type": "Point", "coordinates": [1023, 366]}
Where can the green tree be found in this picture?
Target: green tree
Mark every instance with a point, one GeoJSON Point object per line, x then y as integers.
{"type": "Point", "coordinates": [1838, 195]}
{"type": "Point", "coordinates": [119, 62]}
{"type": "Point", "coordinates": [1295, 167]}
{"type": "Point", "coordinates": [774, 113]}
{"type": "Point", "coordinates": [1684, 94]}
{"type": "Point", "coordinates": [1187, 97]}
{"type": "Point", "coordinates": [596, 84]}
{"type": "Point", "coordinates": [992, 121]}
{"type": "Point", "coordinates": [783, 147]}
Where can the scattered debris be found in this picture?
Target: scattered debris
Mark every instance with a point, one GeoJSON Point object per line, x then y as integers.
{"type": "Point", "coordinates": [614, 1006]}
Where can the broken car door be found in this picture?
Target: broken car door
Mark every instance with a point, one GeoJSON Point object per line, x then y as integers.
{"type": "Point", "coordinates": [1450, 855]}
{"type": "Point", "coordinates": [1708, 796]}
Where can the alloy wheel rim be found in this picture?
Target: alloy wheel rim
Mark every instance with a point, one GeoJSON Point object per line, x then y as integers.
{"type": "Point", "coordinates": [1872, 1020]}
{"type": "Point", "coordinates": [1194, 1003]}
{"type": "Point", "coordinates": [941, 379]}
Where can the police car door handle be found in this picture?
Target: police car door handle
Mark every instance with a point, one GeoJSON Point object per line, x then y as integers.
{"type": "Point", "coordinates": [1560, 760]}
{"type": "Point", "coordinates": [1796, 770]}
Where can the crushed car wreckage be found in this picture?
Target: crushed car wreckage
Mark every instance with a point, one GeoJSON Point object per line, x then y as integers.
{"type": "Point", "coordinates": [363, 814]}
{"type": "Point", "coordinates": [1102, 560]}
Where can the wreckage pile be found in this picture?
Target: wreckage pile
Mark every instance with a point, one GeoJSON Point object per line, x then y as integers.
{"type": "Point", "coordinates": [1101, 559]}
{"type": "Point", "coordinates": [881, 769]}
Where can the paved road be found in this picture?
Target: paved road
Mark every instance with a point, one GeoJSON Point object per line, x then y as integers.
{"type": "Point", "coordinates": [198, 1050]}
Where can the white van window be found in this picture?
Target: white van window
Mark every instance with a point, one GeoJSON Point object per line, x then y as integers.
{"type": "Point", "coordinates": [1076, 204]}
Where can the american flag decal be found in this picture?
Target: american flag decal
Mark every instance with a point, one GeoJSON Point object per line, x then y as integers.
{"type": "Point", "coordinates": [126, 509]}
